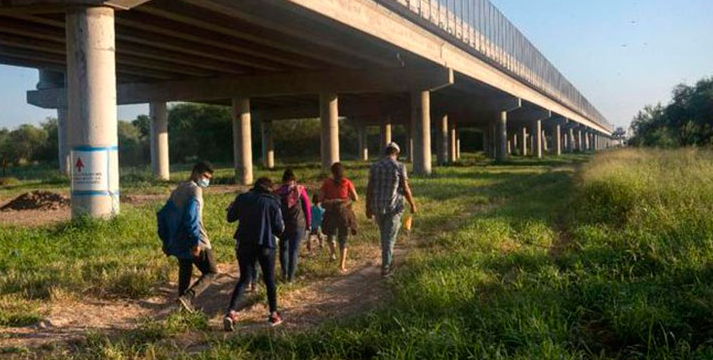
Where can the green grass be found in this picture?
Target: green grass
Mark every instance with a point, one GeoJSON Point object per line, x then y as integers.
{"type": "Point", "coordinates": [555, 259]}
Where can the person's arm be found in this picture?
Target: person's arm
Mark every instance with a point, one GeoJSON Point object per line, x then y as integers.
{"type": "Point", "coordinates": [278, 224]}
{"type": "Point", "coordinates": [233, 210]}
{"type": "Point", "coordinates": [408, 195]}
{"type": "Point", "coordinates": [191, 225]}
{"type": "Point", "coordinates": [306, 207]}
{"type": "Point", "coordinates": [369, 195]}
{"type": "Point", "coordinates": [352, 192]}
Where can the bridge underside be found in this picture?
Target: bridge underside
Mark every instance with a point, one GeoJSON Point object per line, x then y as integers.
{"type": "Point", "coordinates": [289, 58]}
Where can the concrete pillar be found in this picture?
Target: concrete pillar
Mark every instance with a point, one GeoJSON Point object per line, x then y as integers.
{"type": "Point", "coordinates": [329, 118]}
{"type": "Point", "coordinates": [545, 143]}
{"type": "Point", "coordinates": [386, 131]}
{"type": "Point", "coordinates": [408, 146]}
{"type": "Point", "coordinates": [268, 145]}
{"type": "Point", "coordinates": [91, 97]}
{"type": "Point", "coordinates": [421, 120]}
{"type": "Point", "coordinates": [537, 139]}
{"type": "Point", "coordinates": [49, 80]}
{"type": "Point", "coordinates": [586, 141]}
{"type": "Point", "coordinates": [242, 142]}
{"type": "Point", "coordinates": [581, 144]}
{"type": "Point", "coordinates": [557, 137]}
{"type": "Point", "coordinates": [443, 143]}
{"type": "Point", "coordinates": [452, 142]}
{"type": "Point", "coordinates": [502, 137]}
{"type": "Point", "coordinates": [457, 145]}
{"type": "Point", "coordinates": [509, 147]}
{"type": "Point", "coordinates": [159, 140]}
{"type": "Point", "coordinates": [363, 143]}
{"type": "Point", "coordinates": [570, 140]}
{"type": "Point", "coordinates": [523, 141]}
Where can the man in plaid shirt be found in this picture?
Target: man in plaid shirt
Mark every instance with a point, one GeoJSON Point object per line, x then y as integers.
{"type": "Point", "coordinates": [387, 188]}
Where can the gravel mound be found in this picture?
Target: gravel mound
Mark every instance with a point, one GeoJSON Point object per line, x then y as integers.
{"type": "Point", "coordinates": [37, 200]}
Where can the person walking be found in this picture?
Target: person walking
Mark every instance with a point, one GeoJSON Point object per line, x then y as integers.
{"type": "Point", "coordinates": [259, 221]}
{"type": "Point", "coordinates": [387, 187]}
{"type": "Point", "coordinates": [181, 229]}
{"type": "Point", "coordinates": [336, 195]}
{"type": "Point", "coordinates": [316, 228]}
{"type": "Point", "coordinates": [296, 213]}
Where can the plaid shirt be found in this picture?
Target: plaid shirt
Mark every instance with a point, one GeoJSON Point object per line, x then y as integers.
{"type": "Point", "coordinates": [385, 178]}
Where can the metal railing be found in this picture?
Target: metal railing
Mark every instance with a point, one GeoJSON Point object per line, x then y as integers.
{"type": "Point", "coordinates": [482, 27]}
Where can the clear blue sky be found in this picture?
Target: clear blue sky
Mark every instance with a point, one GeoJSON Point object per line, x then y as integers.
{"type": "Point", "coordinates": [621, 54]}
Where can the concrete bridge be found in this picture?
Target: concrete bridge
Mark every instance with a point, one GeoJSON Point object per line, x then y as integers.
{"type": "Point", "coordinates": [411, 63]}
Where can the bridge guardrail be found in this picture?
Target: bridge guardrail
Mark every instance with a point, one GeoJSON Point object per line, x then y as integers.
{"type": "Point", "coordinates": [481, 26]}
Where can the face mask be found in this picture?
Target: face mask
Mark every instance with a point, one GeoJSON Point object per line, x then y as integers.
{"type": "Point", "coordinates": [203, 182]}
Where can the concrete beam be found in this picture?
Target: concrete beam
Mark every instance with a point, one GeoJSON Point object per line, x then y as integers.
{"type": "Point", "coordinates": [282, 84]}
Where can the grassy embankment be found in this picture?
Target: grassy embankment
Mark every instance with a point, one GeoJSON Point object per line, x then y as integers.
{"type": "Point", "coordinates": [522, 261]}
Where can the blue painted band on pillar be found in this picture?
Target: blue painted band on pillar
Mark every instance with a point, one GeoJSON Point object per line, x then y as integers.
{"type": "Point", "coordinates": [94, 193]}
{"type": "Point", "coordinates": [95, 148]}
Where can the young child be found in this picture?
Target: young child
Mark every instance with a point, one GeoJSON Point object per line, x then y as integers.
{"type": "Point", "coordinates": [317, 212]}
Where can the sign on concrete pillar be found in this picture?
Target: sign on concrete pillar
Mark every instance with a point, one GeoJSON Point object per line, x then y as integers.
{"type": "Point", "coordinates": [91, 98]}
{"type": "Point", "coordinates": [242, 141]}
{"type": "Point", "coordinates": [268, 145]}
{"type": "Point", "coordinates": [443, 143]}
{"type": "Point", "coordinates": [557, 137]}
{"type": "Point", "coordinates": [537, 139]}
{"type": "Point", "coordinates": [159, 140]}
{"type": "Point", "coordinates": [502, 137]}
{"type": "Point", "coordinates": [385, 132]}
{"type": "Point", "coordinates": [363, 143]}
{"type": "Point", "coordinates": [329, 120]}
{"type": "Point", "coordinates": [421, 119]}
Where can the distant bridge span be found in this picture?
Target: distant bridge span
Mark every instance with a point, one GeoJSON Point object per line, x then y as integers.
{"type": "Point", "coordinates": [379, 62]}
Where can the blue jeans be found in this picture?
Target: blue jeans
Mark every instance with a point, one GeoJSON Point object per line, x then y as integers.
{"type": "Point", "coordinates": [290, 252]}
{"type": "Point", "coordinates": [248, 255]}
{"type": "Point", "coordinates": [389, 225]}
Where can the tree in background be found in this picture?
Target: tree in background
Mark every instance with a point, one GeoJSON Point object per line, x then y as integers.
{"type": "Point", "coordinates": [686, 121]}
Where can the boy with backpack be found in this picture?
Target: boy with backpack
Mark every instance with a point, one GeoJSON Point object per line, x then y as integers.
{"type": "Point", "coordinates": [180, 227]}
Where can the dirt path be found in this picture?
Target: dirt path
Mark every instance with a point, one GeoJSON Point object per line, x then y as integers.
{"type": "Point", "coordinates": [330, 298]}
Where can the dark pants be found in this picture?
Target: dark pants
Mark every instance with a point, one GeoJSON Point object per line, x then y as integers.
{"type": "Point", "coordinates": [247, 256]}
{"type": "Point", "coordinates": [205, 262]}
{"type": "Point", "coordinates": [290, 252]}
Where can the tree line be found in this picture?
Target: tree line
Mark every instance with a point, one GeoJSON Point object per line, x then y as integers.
{"type": "Point", "coordinates": [686, 121]}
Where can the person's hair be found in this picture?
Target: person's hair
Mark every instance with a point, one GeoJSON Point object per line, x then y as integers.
{"type": "Point", "coordinates": [390, 150]}
{"type": "Point", "coordinates": [203, 167]}
{"type": "Point", "coordinates": [315, 199]}
{"type": "Point", "coordinates": [338, 172]}
{"type": "Point", "coordinates": [288, 175]}
{"type": "Point", "coordinates": [263, 185]}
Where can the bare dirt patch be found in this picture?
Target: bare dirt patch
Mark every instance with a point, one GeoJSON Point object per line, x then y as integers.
{"type": "Point", "coordinates": [37, 200]}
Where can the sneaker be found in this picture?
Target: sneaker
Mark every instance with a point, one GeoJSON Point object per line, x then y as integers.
{"type": "Point", "coordinates": [186, 303]}
{"type": "Point", "coordinates": [274, 319]}
{"type": "Point", "coordinates": [229, 321]}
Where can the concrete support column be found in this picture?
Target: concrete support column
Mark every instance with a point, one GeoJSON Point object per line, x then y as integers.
{"type": "Point", "coordinates": [586, 141]}
{"type": "Point", "coordinates": [421, 124]}
{"type": "Point", "coordinates": [557, 137]}
{"type": "Point", "coordinates": [523, 141]}
{"type": "Point", "coordinates": [242, 141]}
{"type": "Point", "coordinates": [545, 143]}
{"type": "Point", "coordinates": [502, 137]}
{"type": "Point", "coordinates": [363, 144]}
{"type": "Point", "coordinates": [91, 97]}
{"type": "Point", "coordinates": [159, 140]}
{"type": "Point", "coordinates": [49, 80]}
{"type": "Point", "coordinates": [509, 147]}
{"type": "Point", "coordinates": [268, 145]}
{"type": "Point", "coordinates": [570, 140]}
{"type": "Point", "coordinates": [329, 118]}
{"type": "Point", "coordinates": [443, 143]}
{"type": "Point", "coordinates": [386, 131]}
{"type": "Point", "coordinates": [581, 143]}
{"type": "Point", "coordinates": [537, 139]}
{"type": "Point", "coordinates": [457, 145]}
{"type": "Point", "coordinates": [452, 142]}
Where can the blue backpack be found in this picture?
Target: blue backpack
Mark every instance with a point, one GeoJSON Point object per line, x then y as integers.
{"type": "Point", "coordinates": [174, 241]}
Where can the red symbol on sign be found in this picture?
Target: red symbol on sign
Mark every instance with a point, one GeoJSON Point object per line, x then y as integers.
{"type": "Point", "coordinates": [79, 165]}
